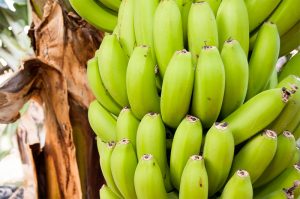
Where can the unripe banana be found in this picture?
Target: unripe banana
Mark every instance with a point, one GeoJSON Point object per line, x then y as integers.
{"type": "Point", "coordinates": [238, 186]}
{"type": "Point", "coordinates": [167, 33]}
{"type": "Point", "coordinates": [201, 17]}
{"type": "Point", "coordinates": [127, 126]}
{"type": "Point", "coordinates": [209, 86]}
{"type": "Point", "coordinates": [256, 114]}
{"type": "Point", "coordinates": [218, 153]}
{"type": "Point", "coordinates": [265, 53]}
{"type": "Point", "coordinates": [140, 82]}
{"type": "Point", "coordinates": [102, 122]}
{"type": "Point", "coordinates": [167, 180]}
{"type": "Point", "coordinates": [279, 194]}
{"type": "Point", "coordinates": [290, 40]}
{"type": "Point", "coordinates": [184, 7]}
{"type": "Point", "coordinates": [123, 164]}
{"type": "Point", "coordinates": [232, 21]}
{"type": "Point", "coordinates": [98, 89]}
{"type": "Point", "coordinates": [296, 132]}
{"type": "Point", "coordinates": [111, 4]}
{"type": "Point", "coordinates": [260, 150]}
{"type": "Point", "coordinates": [236, 73]}
{"type": "Point", "coordinates": [214, 4]}
{"type": "Point", "coordinates": [273, 81]}
{"type": "Point", "coordinates": [148, 180]}
{"type": "Point", "coordinates": [186, 142]}
{"type": "Point", "coordinates": [285, 151]}
{"type": "Point", "coordinates": [151, 139]}
{"type": "Point", "coordinates": [173, 195]}
{"type": "Point", "coordinates": [112, 58]}
{"type": "Point", "coordinates": [107, 193]}
{"type": "Point", "coordinates": [296, 158]}
{"type": "Point", "coordinates": [177, 88]}
{"type": "Point", "coordinates": [291, 68]}
{"type": "Point", "coordinates": [194, 180]}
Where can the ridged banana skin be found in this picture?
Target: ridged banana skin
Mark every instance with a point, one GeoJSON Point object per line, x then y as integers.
{"type": "Point", "coordinates": [186, 142]}
{"type": "Point", "coordinates": [260, 111]}
{"type": "Point", "coordinates": [102, 122]}
{"type": "Point", "coordinates": [140, 83]}
{"type": "Point", "coordinates": [127, 126]}
{"type": "Point", "coordinates": [238, 186]}
{"type": "Point", "coordinates": [107, 193]}
{"type": "Point", "coordinates": [112, 58]}
{"type": "Point", "coordinates": [209, 86]}
{"type": "Point", "coordinates": [111, 4]}
{"type": "Point", "coordinates": [236, 73]}
{"type": "Point", "coordinates": [290, 40]}
{"type": "Point", "coordinates": [151, 139]}
{"type": "Point", "coordinates": [201, 17]}
{"type": "Point", "coordinates": [259, 11]}
{"type": "Point", "coordinates": [286, 148]}
{"type": "Point", "coordinates": [94, 14]}
{"type": "Point", "coordinates": [260, 150]}
{"type": "Point", "coordinates": [233, 23]}
{"type": "Point", "coordinates": [263, 58]}
{"type": "Point", "coordinates": [194, 180]}
{"type": "Point", "coordinates": [177, 88]}
{"type": "Point", "coordinates": [126, 26]}
{"type": "Point", "coordinates": [143, 23]}
{"type": "Point", "coordinates": [98, 89]}
{"type": "Point", "coordinates": [291, 67]}
{"type": "Point", "coordinates": [218, 153]}
{"type": "Point", "coordinates": [285, 180]}
{"type": "Point", "coordinates": [123, 164]}
{"type": "Point", "coordinates": [279, 194]}
{"type": "Point", "coordinates": [214, 4]}
{"type": "Point", "coordinates": [148, 180]}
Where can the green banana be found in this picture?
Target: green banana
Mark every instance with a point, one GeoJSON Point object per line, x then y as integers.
{"type": "Point", "coordinates": [112, 58]}
{"type": "Point", "coordinates": [172, 195]}
{"type": "Point", "coordinates": [177, 88]}
{"type": "Point", "coordinates": [260, 150]}
{"type": "Point", "coordinates": [95, 14]}
{"type": "Point", "coordinates": [263, 58]}
{"type": "Point", "coordinates": [148, 180]}
{"type": "Point", "coordinates": [214, 4]}
{"type": "Point", "coordinates": [291, 68]}
{"type": "Point", "coordinates": [123, 163]}
{"type": "Point", "coordinates": [140, 82]}
{"type": "Point", "coordinates": [126, 26]}
{"type": "Point", "coordinates": [290, 40]}
{"type": "Point", "coordinates": [233, 23]}
{"type": "Point", "coordinates": [184, 7]}
{"type": "Point", "coordinates": [256, 114]}
{"type": "Point", "coordinates": [238, 186]}
{"type": "Point", "coordinates": [236, 73]}
{"type": "Point", "coordinates": [102, 122]}
{"type": "Point", "coordinates": [285, 151]}
{"type": "Point", "coordinates": [111, 4]}
{"type": "Point", "coordinates": [194, 180]}
{"type": "Point", "coordinates": [151, 130]}
{"type": "Point", "coordinates": [107, 193]}
{"type": "Point", "coordinates": [296, 132]}
{"type": "Point", "coordinates": [167, 33]}
{"type": "Point", "coordinates": [209, 86]}
{"type": "Point", "coordinates": [201, 17]}
{"type": "Point", "coordinates": [98, 89]}
{"type": "Point", "coordinates": [167, 180]}
{"type": "Point", "coordinates": [218, 153]}
{"type": "Point", "coordinates": [127, 126]}
{"type": "Point", "coordinates": [273, 81]}
{"type": "Point", "coordinates": [186, 142]}
{"type": "Point", "coordinates": [279, 194]}
{"type": "Point", "coordinates": [296, 158]}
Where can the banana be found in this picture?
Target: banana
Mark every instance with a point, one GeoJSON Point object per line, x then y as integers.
{"type": "Point", "coordinates": [102, 122]}
{"type": "Point", "coordinates": [218, 153]}
{"type": "Point", "coordinates": [285, 151]}
{"type": "Point", "coordinates": [296, 158]}
{"type": "Point", "coordinates": [143, 23]}
{"type": "Point", "coordinates": [112, 58]}
{"type": "Point", "coordinates": [177, 88]}
{"type": "Point", "coordinates": [260, 150]}
{"type": "Point", "coordinates": [265, 53]}
{"type": "Point", "coordinates": [259, 10]}
{"type": "Point", "coordinates": [291, 68]}
{"type": "Point", "coordinates": [186, 142]}
{"type": "Point", "coordinates": [184, 7]}
{"type": "Point", "coordinates": [140, 82]}
{"type": "Point", "coordinates": [111, 4]}
{"type": "Point", "coordinates": [151, 130]}
{"type": "Point", "coordinates": [167, 180]}
{"type": "Point", "coordinates": [98, 89]}
{"type": "Point", "coordinates": [296, 132]}
{"type": "Point", "coordinates": [256, 114]}
{"type": "Point", "coordinates": [233, 23]}
{"type": "Point", "coordinates": [279, 194]}
{"type": "Point", "coordinates": [95, 14]}
{"type": "Point", "coordinates": [214, 4]}
{"type": "Point", "coordinates": [201, 17]}
{"type": "Point", "coordinates": [148, 180]}
{"type": "Point", "coordinates": [167, 33]}
{"type": "Point", "coordinates": [273, 81]}
{"type": "Point", "coordinates": [172, 195]}
{"type": "Point", "coordinates": [126, 26]}
{"type": "Point", "coordinates": [236, 73]}
{"type": "Point", "coordinates": [238, 186]}
{"type": "Point", "coordinates": [285, 180]}
{"type": "Point", "coordinates": [127, 126]}
{"type": "Point", "coordinates": [107, 193]}
{"type": "Point", "coordinates": [209, 86]}
{"type": "Point", "coordinates": [123, 164]}
{"type": "Point", "coordinates": [290, 40]}
{"type": "Point", "coordinates": [194, 180]}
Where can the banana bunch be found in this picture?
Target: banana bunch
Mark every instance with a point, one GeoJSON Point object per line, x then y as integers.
{"type": "Point", "coordinates": [189, 103]}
